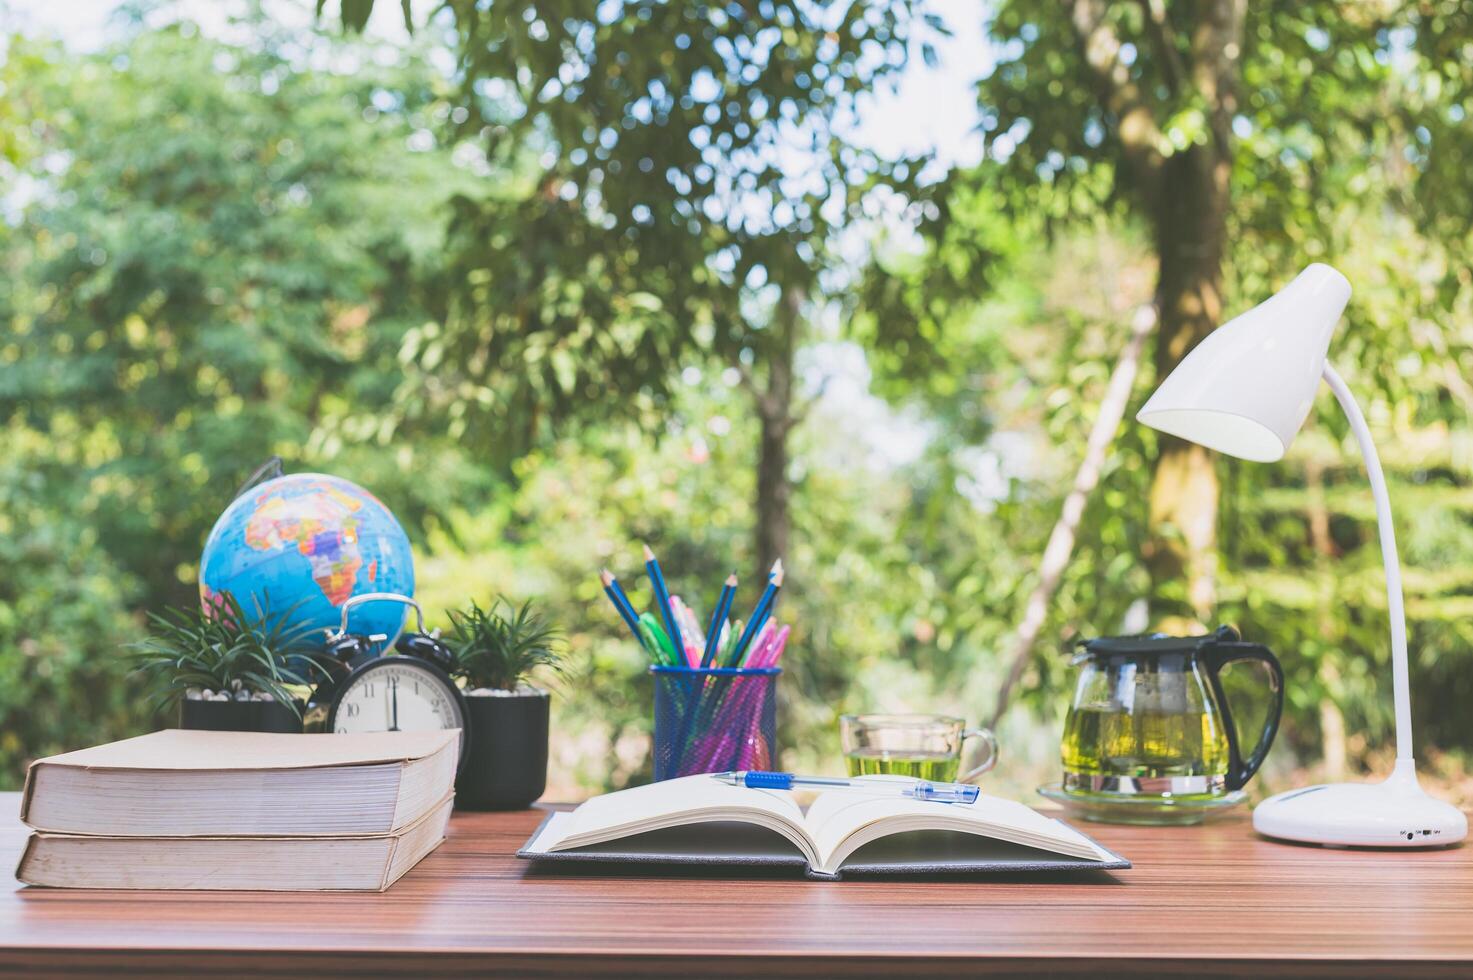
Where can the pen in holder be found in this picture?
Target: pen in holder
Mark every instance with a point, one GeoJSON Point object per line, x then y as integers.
{"type": "Point", "coordinates": [714, 720]}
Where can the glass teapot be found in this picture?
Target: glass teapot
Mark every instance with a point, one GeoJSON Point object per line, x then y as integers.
{"type": "Point", "coordinates": [1150, 715]}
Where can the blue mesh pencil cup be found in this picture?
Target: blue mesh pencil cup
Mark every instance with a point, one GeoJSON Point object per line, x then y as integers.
{"type": "Point", "coordinates": [714, 720]}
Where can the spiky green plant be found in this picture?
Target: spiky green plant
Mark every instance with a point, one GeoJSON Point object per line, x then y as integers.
{"type": "Point", "coordinates": [498, 647]}
{"type": "Point", "coordinates": [222, 649]}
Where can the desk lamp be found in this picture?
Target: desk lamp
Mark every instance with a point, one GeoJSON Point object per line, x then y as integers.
{"type": "Point", "coordinates": [1245, 390]}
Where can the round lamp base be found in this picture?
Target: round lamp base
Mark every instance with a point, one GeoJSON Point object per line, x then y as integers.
{"type": "Point", "coordinates": [1395, 813]}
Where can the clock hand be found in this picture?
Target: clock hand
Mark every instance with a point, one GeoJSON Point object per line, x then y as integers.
{"type": "Point", "coordinates": [394, 702]}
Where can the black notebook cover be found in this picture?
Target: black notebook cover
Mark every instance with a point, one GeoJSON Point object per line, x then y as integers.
{"type": "Point", "coordinates": [735, 844]}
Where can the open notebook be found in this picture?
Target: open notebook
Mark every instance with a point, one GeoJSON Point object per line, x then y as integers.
{"type": "Point", "coordinates": [700, 820]}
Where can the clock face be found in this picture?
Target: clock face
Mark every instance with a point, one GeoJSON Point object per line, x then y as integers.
{"type": "Point", "coordinates": [397, 694]}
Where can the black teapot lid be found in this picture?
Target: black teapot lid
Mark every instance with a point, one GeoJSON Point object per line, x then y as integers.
{"type": "Point", "coordinates": [1153, 644]}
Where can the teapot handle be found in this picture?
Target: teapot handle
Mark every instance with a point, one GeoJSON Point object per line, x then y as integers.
{"type": "Point", "coordinates": [1214, 657]}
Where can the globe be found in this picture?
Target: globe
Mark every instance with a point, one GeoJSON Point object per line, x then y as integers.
{"type": "Point", "coordinates": [300, 546]}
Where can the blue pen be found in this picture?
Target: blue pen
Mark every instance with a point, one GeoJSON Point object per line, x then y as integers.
{"type": "Point", "coordinates": [917, 789]}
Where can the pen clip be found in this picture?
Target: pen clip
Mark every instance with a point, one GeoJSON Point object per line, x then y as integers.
{"type": "Point", "coordinates": [952, 793]}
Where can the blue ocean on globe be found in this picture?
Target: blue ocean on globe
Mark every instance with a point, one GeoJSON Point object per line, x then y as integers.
{"type": "Point", "coordinates": [309, 542]}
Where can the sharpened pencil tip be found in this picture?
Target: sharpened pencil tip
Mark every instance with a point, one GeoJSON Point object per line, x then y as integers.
{"type": "Point", "coordinates": [607, 577]}
{"type": "Point", "coordinates": [648, 554]}
{"type": "Point", "coordinates": [777, 578]}
{"type": "Point", "coordinates": [731, 580]}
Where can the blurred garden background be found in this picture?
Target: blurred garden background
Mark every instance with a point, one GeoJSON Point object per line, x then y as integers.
{"type": "Point", "coordinates": [840, 282]}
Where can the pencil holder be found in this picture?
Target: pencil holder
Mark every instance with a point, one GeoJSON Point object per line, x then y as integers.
{"type": "Point", "coordinates": [714, 720]}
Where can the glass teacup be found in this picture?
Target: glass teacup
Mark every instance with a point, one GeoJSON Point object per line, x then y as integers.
{"type": "Point", "coordinates": [925, 747]}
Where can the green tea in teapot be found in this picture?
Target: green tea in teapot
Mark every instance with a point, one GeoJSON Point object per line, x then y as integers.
{"type": "Point", "coordinates": [1112, 742]}
{"type": "Point", "coordinates": [1150, 718]}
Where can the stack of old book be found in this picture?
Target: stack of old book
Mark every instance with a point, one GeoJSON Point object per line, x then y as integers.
{"type": "Point", "coordinates": [239, 810]}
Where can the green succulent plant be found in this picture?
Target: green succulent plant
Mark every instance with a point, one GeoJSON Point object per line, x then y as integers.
{"type": "Point", "coordinates": [222, 649]}
{"type": "Point", "coordinates": [499, 646]}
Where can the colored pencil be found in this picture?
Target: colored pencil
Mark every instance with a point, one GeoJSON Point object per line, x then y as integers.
{"type": "Point", "coordinates": [621, 602]}
{"type": "Point", "coordinates": [692, 627]}
{"type": "Point", "coordinates": [679, 637]}
{"type": "Point", "coordinates": [662, 595]}
{"type": "Point", "coordinates": [775, 647]}
{"type": "Point", "coordinates": [690, 643]}
{"type": "Point", "coordinates": [760, 614]}
{"type": "Point", "coordinates": [718, 620]}
{"type": "Point", "coordinates": [753, 655]}
{"type": "Point", "coordinates": [658, 641]}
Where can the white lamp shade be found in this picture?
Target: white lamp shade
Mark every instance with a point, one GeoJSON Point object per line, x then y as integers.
{"type": "Point", "coordinates": [1248, 386]}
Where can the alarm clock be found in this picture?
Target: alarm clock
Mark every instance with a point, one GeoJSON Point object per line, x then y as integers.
{"type": "Point", "coordinates": [409, 690]}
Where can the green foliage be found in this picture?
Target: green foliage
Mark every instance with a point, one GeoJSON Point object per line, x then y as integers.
{"type": "Point", "coordinates": [212, 257]}
{"type": "Point", "coordinates": [422, 284]}
{"type": "Point", "coordinates": [861, 599]}
{"type": "Point", "coordinates": [63, 613]}
{"type": "Point", "coordinates": [222, 649]}
{"type": "Point", "coordinates": [656, 216]}
{"type": "Point", "coordinates": [502, 646]}
{"type": "Point", "coordinates": [1340, 143]}
{"type": "Point", "coordinates": [223, 281]}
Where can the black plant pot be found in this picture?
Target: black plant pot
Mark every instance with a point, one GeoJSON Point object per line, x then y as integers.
{"type": "Point", "coordinates": [238, 716]}
{"type": "Point", "coordinates": [506, 762]}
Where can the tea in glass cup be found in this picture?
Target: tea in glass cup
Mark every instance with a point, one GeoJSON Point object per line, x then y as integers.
{"type": "Point", "coordinates": [925, 747]}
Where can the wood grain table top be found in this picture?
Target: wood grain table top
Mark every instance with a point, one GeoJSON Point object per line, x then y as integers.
{"type": "Point", "coordinates": [1211, 900]}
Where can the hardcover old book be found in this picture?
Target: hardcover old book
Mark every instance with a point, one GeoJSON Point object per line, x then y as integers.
{"type": "Point", "coordinates": [701, 820]}
{"type": "Point", "coordinates": [354, 863]}
{"type": "Point", "coordinates": [243, 784]}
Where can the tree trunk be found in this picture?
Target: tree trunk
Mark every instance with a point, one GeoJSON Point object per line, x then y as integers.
{"type": "Point", "coordinates": [1190, 225]}
{"type": "Point", "coordinates": [775, 414]}
{"type": "Point", "coordinates": [1186, 194]}
{"type": "Point", "coordinates": [770, 540]}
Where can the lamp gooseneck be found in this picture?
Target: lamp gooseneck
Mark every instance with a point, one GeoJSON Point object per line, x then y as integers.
{"type": "Point", "coordinates": [1401, 682]}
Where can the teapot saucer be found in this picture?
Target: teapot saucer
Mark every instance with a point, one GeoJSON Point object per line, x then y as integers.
{"type": "Point", "coordinates": [1152, 811]}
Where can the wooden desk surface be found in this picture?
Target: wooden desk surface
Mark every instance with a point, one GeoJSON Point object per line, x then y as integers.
{"type": "Point", "coordinates": [1212, 900]}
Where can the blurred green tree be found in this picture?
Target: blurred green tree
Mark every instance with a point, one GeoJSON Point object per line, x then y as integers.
{"type": "Point", "coordinates": [62, 601]}
{"type": "Point", "coordinates": [210, 255]}
{"type": "Point", "coordinates": [1175, 114]}
{"type": "Point", "coordinates": [1242, 141]}
{"type": "Point", "coordinates": [224, 279]}
{"type": "Point", "coordinates": [689, 175]}
{"type": "Point", "coordinates": [230, 318]}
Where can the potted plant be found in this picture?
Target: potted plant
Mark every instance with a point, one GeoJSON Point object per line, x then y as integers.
{"type": "Point", "coordinates": [227, 672]}
{"type": "Point", "coordinates": [496, 649]}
